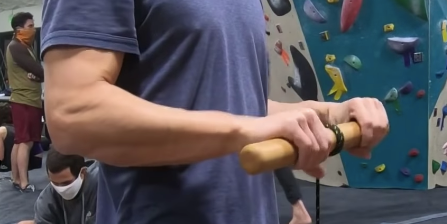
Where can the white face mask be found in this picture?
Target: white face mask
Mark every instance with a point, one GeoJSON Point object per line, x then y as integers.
{"type": "Point", "coordinates": [70, 191]}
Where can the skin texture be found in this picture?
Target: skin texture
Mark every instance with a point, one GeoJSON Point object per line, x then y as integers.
{"type": "Point", "coordinates": [149, 127]}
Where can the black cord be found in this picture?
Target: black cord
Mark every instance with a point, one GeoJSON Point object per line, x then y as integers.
{"type": "Point", "coordinates": [317, 202]}
{"type": "Point", "coordinates": [339, 137]}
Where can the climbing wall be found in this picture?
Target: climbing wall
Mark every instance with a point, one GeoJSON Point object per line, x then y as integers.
{"type": "Point", "coordinates": [393, 50]}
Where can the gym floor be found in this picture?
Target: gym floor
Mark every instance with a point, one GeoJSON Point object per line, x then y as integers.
{"type": "Point", "coordinates": [338, 205]}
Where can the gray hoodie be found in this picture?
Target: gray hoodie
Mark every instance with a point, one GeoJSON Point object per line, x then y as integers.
{"type": "Point", "coordinates": [51, 208]}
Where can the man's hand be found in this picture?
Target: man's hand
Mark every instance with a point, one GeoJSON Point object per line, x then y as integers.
{"type": "Point", "coordinates": [369, 114]}
{"type": "Point", "coordinates": [304, 129]}
{"type": "Point", "coordinates": [300, 214]}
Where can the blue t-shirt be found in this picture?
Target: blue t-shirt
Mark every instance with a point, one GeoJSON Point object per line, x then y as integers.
{"type": "Point", "coordinates": [191, 54]}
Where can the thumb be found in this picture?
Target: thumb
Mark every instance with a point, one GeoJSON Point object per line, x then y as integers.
{"type": "Point", "coordinates": [317, 172]}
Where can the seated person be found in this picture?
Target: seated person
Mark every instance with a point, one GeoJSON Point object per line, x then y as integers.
{"type": "Point", "coordinates": [7, 134]}
{"type": "Point", "coordinates": [70, 198]}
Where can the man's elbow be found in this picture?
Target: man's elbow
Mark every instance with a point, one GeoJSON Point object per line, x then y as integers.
{"type": "Point", "coordinates": [64, 131]}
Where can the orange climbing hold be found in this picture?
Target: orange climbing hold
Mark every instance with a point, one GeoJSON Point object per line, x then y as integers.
{"type": "Point", "coordinates": [266, 17]}
{"type": "Point", "coordinates": [413, 153]}
{"type": "Point", "coordinates": [418, 178]}
{"type": "Point", "coordinates": [420, 94]}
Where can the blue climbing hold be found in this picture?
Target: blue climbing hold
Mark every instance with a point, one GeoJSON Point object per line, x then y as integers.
{"type": "Point", "coordinates": [405, 172]}
{"type": "Point", "coordinates": [443, 166]}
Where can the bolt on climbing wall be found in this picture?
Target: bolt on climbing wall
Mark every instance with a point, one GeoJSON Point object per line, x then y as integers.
{"type": "Point", "coordinates": [393, 50]}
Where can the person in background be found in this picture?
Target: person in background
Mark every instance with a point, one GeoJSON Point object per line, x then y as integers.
{"type": "Point", "coordinates": [293, 194]}
{"type": "Point", "coordinates": [25, 75]}
{"type": "Point", "coordinates": [7, 134]}
{"type": "Point", "coordinates": [70, 198]}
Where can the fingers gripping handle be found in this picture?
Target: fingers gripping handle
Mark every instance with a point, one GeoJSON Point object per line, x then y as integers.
{"type": "Point", "coordinates": [277, 153]}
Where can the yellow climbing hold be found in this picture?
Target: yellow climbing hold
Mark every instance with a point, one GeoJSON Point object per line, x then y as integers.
{"type": "Point", "coordinates": [330, 58]}
{"type": "Point", "coordinates": [332, 1]}
{"type": "Point", "coordinates": [380, 168]}
{"type": "Point", "coordinates": [444, 30]}
{"type": "Point", "coordinates": [388, 27]}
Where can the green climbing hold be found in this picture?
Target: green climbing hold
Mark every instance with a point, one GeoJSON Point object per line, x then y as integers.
{"type": "Point", "coordinates": [364, 165]}
{"type": "Point", "coordinates": [416, 7]}
{"type": "Point", "coordinates": [435, 166]}
{"type": "Point", "coordinates": [353, 61]}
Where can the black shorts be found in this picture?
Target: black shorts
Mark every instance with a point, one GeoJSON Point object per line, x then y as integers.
{"type": "Point", "coordinates": [33, 162]}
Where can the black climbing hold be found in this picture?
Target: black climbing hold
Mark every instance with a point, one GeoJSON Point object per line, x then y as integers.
{"type": "Point", "coordinates": [435, 112]}
{"type": "Point", "coordinates": [438, 122]}
{"type": "Point", "coordinates": [283, 89]}
{"type": "Point", "coordinates": [267, 32]}
{"type": "Point", "coordinates": [307, 88]}
{"type": "Point", "coordinates": [280, 7]}
{"type": "Point", "coordinates": [339, 173]}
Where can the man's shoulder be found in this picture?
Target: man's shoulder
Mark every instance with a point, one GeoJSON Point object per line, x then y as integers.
{"type": "Point", "coordinates": [46, 196]}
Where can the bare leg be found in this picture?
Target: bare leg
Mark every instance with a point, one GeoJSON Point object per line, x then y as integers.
{"type": "Point", "coordinates": [27, 222]}
{"type": "Point", "coordinates": [22, 161]}
{"type": "Point", "coordinates": [14, 166]}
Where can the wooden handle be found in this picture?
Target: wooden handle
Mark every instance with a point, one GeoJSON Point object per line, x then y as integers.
{"type": "Point", "coordinates": [277, 153]}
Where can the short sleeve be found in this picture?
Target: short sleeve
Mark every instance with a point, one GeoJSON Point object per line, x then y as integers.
{"type": "Point", "coordinates": [103, 24]}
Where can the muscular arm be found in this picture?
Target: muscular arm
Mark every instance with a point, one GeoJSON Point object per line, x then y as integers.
{"type": "Point", "coordinates": [322, 108]}
{"type": "Point", "coordinates": [289, 184]}
{"type": "Point", "coordinates": [116, 127]}
{"type": "Point", "coordinates": [23, 58]}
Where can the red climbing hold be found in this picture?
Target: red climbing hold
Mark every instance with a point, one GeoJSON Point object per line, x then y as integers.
{"type": "Point", "coordinates": [420, 94]}
{"type": "Point", "coordinates": [413, 153]}
{"type": "Point", "coordinates": [418, 178]}
{"type": "Point", "coordinates": [266, 17]}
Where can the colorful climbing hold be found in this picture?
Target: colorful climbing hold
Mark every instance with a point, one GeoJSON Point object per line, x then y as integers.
{"type": "Point", "coordinates": [280, 51]}
{"type": "Point", "coordinates": [332, 1]}
{"type": "Point", "coordinates": [406, 88]}
{"type": "Point", "coordinates": [439, 74]}
{"type": "Point", "coordinates": [388, 27]}
{"type": "Point", "coordinates": [418, 178]}
{"type": "Point", "coordinates": [413, 153]}
{"type": "Point", "coordinates": [280, 7]}
{"type": "Point", "coordinates": [349, 11]}
{"type": "Point", "coordinates": [435, 165]}
{"type": "Point", "coordinates": [420, 93]}
{"type": "Point", "coordinates": [278, 27]}
{"type": "Point", "coordinates": [404, 46]}
{"type": "Point", "coordinates": [417, 57]}
{"type": "Point", "coordinates": [443, 166]}
{"type": "Point", "coordinates": [353, 61]}
{"type": "Point", "coordinates": [444, 30]}
{"type": "Point", "coordinates": [405, 171]}
{"type": "Point", "coordinates": [380, 168]}
{"type": "Point", "coordinates": [324, 35]}
{"type": "Point", "coordinates": [266, 17]}
{"type": "Point", "coordinates": [339, 87]}
{"type": "Point", "coordinates": [330, 58]}
{"type": "Point", "coordinates": [364, 165]}
{"type": "Point", "coordinates": [416, 7]}
{"type": "Point", "coordinates": [444, 114]}
{"type": "Point", "coordinates": [392, 95]}
{"type": "Point", "coordinates": [312, 12]}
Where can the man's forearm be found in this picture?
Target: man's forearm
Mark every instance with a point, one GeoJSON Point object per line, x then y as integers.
{"type": "Point", "coordinates": [115, 127]}
{"type": "Point", "coordinates": [322, 108]}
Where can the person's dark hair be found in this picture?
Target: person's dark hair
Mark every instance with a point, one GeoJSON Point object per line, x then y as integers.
{"type": "Point", "coordinates": [19, 19]}
{"type": "Point", "coordinates": [5, 113]}
{"type": "Point", "coordinates": [57, 162]}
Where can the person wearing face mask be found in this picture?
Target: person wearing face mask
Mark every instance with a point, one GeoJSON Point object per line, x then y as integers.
{"type": "Point", "coordinates": [25, 75]}
{"type": "Point", "coordinates": [70, 198]}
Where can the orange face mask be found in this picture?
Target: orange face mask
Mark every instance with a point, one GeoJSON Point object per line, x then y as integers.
{"type": "Point", "coordinates": [26, 35]}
